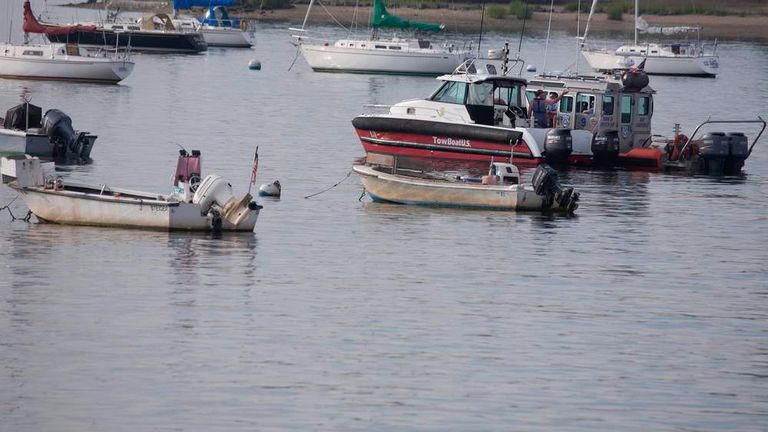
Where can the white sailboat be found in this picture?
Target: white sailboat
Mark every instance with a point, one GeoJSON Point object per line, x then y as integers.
{"type": "Point", "coordinates": [60, 61]}
{"type": "Point", "coordinates": [407, 56]}
{"type": "Point", "coordinates": [680, 58]}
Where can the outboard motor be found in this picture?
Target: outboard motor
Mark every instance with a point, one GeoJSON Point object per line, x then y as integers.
{"type": "Point", "coordinates": [713, 151]}
{"type": "Point", "coordinates": [738, 151]}
{"type": "Point", "coordinates": [558, 145]}
{"type": "Point", "coordinates": [215, 198]}
{"type": "Point", "coordinates": [634, 79]}
{"type": "Point", "coordinates": [605, 148]}
{"type": "Point", "coordinates": [67, 141]}
{"type": "Point", "coordinates": [546, 183]}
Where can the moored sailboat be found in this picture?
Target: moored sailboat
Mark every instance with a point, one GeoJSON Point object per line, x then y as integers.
{"type": "Point", "coordinates": [408, 56]}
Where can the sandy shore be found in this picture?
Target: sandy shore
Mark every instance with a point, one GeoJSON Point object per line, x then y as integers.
{"type": "Point", "coordinates": [751, 27]}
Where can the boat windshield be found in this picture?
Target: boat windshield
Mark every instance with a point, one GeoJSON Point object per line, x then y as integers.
{"type": "Point", "coordinates": [451, 92]}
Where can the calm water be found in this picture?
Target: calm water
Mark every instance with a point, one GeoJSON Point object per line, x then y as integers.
{"type": "Point", "coordinates": [648, 311]}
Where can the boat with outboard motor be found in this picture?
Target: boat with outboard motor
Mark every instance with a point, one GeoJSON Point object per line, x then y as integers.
{"type": "Point", "coordinates": [25, 130]}
{"type": "Point", "coordinates": [405, 56]}
{"type": "Point", "coordinates": [207, 205]}
{"type": "Point", "coordinates": [499, 190]}
{"type": "Point", "coordinates": [478, 112]}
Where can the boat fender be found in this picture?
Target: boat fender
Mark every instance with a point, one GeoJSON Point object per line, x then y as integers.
{"type": "Point", "coordinates": [271, 189]}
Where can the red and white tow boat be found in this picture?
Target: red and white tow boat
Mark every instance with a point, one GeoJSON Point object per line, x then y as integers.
{"type": "Point", "coordinates": [478, 113]}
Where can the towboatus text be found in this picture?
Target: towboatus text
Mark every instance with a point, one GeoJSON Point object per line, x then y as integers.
{"type": "Point", "coordinates": [451, 142]}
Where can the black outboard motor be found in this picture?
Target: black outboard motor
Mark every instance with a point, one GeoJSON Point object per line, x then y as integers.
{"type": "Point", "coordinates": [738, 152]}
{"type": "Point", "coordinates": [68, 143]}
{"type": "Point", "coordinates": [558, 145]}
{"type": "Point", "coordinates": [546, 183]}
{"type": "Point", "coordinates": [634, 79]}
{"type": "Point", "coordinates": [605, 148]}
{"type": "Point", "coordinates": [713, 151]}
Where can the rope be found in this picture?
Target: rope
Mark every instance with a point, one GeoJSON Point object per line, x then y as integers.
{"type": "Point", "coordinates": [326, 190]}
{"type": "Point", "coordinates": [296, 57]}
{"type": "Point", "coordinates": [13, 217]}
{"type": "Point", "coordinates": [334, 18]}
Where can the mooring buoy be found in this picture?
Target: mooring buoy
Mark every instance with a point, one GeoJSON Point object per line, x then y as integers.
{"type": "Point", "coordinates": [270, 189]}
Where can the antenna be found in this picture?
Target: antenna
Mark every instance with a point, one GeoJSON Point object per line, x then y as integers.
{"type": "Point", "coordinates": [482, 19]}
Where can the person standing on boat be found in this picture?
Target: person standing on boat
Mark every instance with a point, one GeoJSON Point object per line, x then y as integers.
{"type": "Point", "coordinates": [537, 109]}
{"type": "Point", "coordinates": [552, 111]}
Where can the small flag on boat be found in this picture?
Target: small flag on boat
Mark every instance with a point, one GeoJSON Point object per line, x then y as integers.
{"type": "Point", "coordinates": [255, 166]}
{"type": "Point", "coordinates": [641, 66]}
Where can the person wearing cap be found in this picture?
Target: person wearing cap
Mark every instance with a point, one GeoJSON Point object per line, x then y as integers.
{"type": "Point", "coordinates": [537, 109]}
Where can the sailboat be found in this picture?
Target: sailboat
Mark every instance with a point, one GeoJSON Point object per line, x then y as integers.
{"type": "Point", "coordinates": [218, 29]}
{"type": "Point", "coordinates": [61, 61]}
{"type": "Point", "coordinates": [406, 56]}
{"type": "Point", "coordinates": [679, 58]}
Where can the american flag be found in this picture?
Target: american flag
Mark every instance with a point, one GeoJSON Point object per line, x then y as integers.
{"type": "Point", "coordinates": [255, 166]}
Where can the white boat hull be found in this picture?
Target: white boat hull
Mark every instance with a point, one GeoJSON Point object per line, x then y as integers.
{"type": "Point", "coordinates": [73, 208]}
{"type": "Point", "coordinates": [408, 190]}
{"type": "Point", "coordinates": [84, 69]}
{"type": "Point", "coordinates": [226, 37]}
{"type": "Point", "coordinates": [689, 66]}
{"type": "Point", "coordinates": [339, 59]}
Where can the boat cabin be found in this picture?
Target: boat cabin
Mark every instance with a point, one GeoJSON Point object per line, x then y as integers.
{"type": "Point", "coordinates": [489, 97]}
{"type": "Point", "coordinates": [600, 104]}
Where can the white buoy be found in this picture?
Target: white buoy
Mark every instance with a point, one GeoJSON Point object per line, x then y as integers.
{"type": "Point", "coordinates": [531, 68]}
{"type": "Point", "coordinates": [254, 65]}
{"type": "Point", "coordinates": [270, 189]}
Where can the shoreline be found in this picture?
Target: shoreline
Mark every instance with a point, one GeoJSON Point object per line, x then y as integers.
{"type": "Point", "coordinates": [731, 27]}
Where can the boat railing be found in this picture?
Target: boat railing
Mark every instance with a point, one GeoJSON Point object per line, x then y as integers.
{"type": "Point", "coordinates": [759, 120]}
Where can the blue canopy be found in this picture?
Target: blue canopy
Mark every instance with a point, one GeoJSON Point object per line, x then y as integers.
{"type": "Point", "coordinates": [186, 4]}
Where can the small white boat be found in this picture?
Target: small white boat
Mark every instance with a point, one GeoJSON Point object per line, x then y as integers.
{"type": "Point", "coordinates": [201, 206]}
{"type": "Point", "coordinates": [499, 190]}
{"type": "Point", "coordinates": [62, 62]}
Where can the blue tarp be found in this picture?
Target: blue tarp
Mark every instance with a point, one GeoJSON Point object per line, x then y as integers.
{"type": "Point", "coordinates": [186, 4]}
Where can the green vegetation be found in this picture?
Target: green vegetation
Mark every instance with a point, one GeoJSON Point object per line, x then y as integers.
{"type": "Point", "coordinates": [616, 11]}
{"type": "Point", "coordinates": [657, 7]}
{"type": "Point", "coordinates": [496, 11]}
{"type": "Point", "coordinates": [520, 9]}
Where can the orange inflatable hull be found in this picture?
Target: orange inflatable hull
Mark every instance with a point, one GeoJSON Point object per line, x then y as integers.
{"type": "Point", "coordinates": [651, 158]}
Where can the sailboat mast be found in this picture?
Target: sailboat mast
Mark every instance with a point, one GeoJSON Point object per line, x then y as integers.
{"type": "Point", "coordinates": [637, 4]}
{"type": "Point", "coordinates": [309, 8]}
{"type": "Point", "coordinates": [10, 24]}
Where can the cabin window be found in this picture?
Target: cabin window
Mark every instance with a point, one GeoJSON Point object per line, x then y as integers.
{"type": "Point", "coordinates": [394, 47]}
{"type": "Point", "coordinates": [608, 105]}
{"type": "Point", "coordinates": [626, 108]}
{"type": "Point", "coordinates": [529, 95]}
{"type": "Point", "coordinates": [362, 45]}
{"type": "Point", "coordinates": [491, 69]}
{"type": "Point", "coordinates": [585, 103]}
{"type": "Point", "coordinates": [32, 53]}
{"type": "Point", "coordinates": [451, 92]}
{"type": "Point", "coordinates": [380, 46]}
{"type": "Point", "coordinates": [424, 44]}
{"type": "Point", "coordinates": [654, 52]}
{"type": "Point", "coordinates": [117, 27]}
{"type": "Point", "coordinates": [480, 94]}
{"type": "Point", "coordinates": [566, 104]}
{"type": "Point", "coordinates": [643, 105]}
{"type": "Point", "coordinates": [134, 28]}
